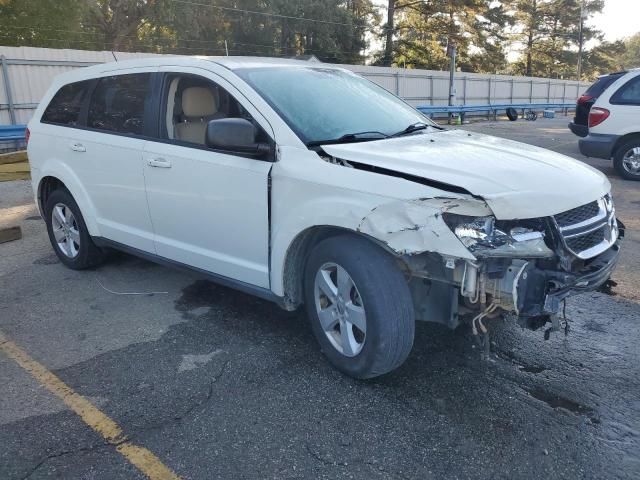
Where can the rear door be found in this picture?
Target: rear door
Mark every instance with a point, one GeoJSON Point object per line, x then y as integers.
{"type": "Point", "coordinates": [209, 209]}
{"type": "Point", "coordinates": [108, 148]}
{"type": "Point", "coordinates": [624, 105]}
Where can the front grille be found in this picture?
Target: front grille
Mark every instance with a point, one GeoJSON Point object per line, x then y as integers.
{"type": "Point", "coordinates": [590, 229]}
{"type": "Point", "coordinates": [578, 215]}
{"type": "Point", "coordinates": [586, 241]}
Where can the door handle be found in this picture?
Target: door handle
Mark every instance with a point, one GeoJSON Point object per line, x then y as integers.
{"type": "Point", "coordinates": [159, 162]}
{"type": "Point", "coordinates": [77, 147]}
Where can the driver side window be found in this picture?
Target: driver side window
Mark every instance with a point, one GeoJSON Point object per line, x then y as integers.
{"type": "Point", "coordinates": [191, 102]}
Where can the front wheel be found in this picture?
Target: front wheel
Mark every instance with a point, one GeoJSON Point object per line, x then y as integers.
{"type": "Point", "coordinates": [359, 305]}
{"type": "Point", "coordinates": [627, 160]}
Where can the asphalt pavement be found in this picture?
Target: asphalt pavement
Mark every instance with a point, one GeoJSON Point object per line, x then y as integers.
{"type": "Point", "coordinates": [220, 385]}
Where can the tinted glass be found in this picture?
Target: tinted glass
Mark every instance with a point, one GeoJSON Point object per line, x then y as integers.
{"type": "Point", "coordinates": [65, 106]}
{"type": "Point", "coordinates": [602, 83]}
{"type": "Point", "coordinates": [324, 104]}
{"type": "Point", "coordinates": [628, 94]}
{"type": "Point", "coordinates": [117, 104]}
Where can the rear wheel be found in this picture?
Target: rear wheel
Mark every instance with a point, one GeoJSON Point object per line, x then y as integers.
{"type": "Point", "coordinates": [359, 305]}
{"type": "Point", "coordinates": [627, 160]}
{"type": "Point", "coordinates": [68, 233]}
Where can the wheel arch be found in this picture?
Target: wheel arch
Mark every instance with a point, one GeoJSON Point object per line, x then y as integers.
{"type": "Point", "coordinates": [51, 181]}
{"type": "Point", "coordinates": [292, 272]}
{"type": "Point", "coordinates": [624, 139]}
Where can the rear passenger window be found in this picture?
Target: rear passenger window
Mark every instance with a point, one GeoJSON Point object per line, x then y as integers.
{"type": "Point", "coordinates": [117, 104]}
{"type": "Point", "coordinates": [628, 94]}
{"type": "Point", "coordinates": [65, 106]}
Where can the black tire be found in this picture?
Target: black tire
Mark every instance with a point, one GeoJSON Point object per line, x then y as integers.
{"type": "Point", "coordinates": [619, 157]}
{"type": "Point", "coordinates": [88, 255]}
{"type": "Point", "coordinates": [512, 114]}
{"type": "Point", "coordinates": [383, 289]}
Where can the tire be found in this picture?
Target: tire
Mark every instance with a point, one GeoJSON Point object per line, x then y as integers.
{"type": "Point", "coordinates": [378, 291]}
{"type": "Point", "coordinates": [77, 250]}
{"type": "Point", "coordinates": [625, 166]}
{"type": "Point", "coordinates": [512, 114]}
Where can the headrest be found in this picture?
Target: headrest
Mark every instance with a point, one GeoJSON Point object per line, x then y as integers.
{"type": "Point", "coordinates": [198, 102]}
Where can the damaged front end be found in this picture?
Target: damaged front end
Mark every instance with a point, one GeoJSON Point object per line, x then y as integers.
{"type": "Point", "coordinates": [522, 268]}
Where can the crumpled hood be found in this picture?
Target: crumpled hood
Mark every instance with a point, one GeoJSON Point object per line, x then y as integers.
{"type": "Point", "coordinates": [516, 180]}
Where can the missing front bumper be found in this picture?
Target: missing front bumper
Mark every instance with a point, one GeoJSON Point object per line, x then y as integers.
{"type": "Point", "coordinates": [540, 292]}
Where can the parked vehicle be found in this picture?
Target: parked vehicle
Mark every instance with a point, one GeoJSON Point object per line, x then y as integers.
{"type": "Point", "coordinates": [580, 124]}
{"type": "Point", "coordinates": [614, 126]}
{"type": "Point", "coordinates": [306, 184]}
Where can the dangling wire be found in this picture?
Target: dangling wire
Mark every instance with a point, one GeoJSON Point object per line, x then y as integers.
{"type": "Point", "coordinates": [564, 317]}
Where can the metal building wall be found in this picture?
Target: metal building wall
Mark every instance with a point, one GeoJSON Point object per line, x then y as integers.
{"type": "Point", "coordinates": [30, 70]}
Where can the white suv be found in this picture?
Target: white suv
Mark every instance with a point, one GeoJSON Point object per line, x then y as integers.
{"type": "Point", "coordinates": [308, 185]}
{"type": "Point", "coordinates": [614, 126]}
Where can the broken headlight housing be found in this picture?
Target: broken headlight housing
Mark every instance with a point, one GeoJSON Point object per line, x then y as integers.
{"type": "Point", "coordinates": [486, 237]}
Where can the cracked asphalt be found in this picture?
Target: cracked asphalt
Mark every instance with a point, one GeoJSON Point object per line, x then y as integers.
{"type": "Point", "coordinates": [218, 384]}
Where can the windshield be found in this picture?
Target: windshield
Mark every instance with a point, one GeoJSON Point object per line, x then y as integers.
{"type": "Point", "coordinates": [325, 104]}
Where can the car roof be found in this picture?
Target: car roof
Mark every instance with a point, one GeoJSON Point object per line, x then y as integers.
{"type": "Point", "coordinates": [230, 63]}
{"type": "Point", "coordinates": [233, 63]}
{"type": "Point", "coordinates": [621, 72]}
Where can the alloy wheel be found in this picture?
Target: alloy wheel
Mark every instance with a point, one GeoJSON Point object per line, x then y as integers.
{"type": "Point", "coordinates": [631, 161]}
{"type": "Point", "coordinates": [65, 230]}
{"type": "Point", "coordinates": [340, 309]}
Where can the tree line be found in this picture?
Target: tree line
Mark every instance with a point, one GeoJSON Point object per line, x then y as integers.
{"type": "Point", "coordinates": [545, 37]}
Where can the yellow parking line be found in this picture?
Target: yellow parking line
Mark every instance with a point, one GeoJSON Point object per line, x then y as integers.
{"type": "Point", "coordinates": [143, 459]}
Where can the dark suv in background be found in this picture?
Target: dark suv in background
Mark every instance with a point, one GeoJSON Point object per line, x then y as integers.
{"type": "Point", "coordinates": [579, 126]}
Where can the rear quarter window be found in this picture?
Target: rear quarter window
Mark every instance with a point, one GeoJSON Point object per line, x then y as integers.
{"type": "Point", "coordinates": [628, 94]}
{"type": "Point", "coordinates": [118, 104]}
{"type": "Point", "coordinates": [65, 106]}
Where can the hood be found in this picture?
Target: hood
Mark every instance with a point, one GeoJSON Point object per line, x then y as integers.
{"type": "Point", "coordinates": [517, 180]}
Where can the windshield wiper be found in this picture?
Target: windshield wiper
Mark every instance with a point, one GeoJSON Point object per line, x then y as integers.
{"type": "Point", "coordinates": [349, 137]}
{"type": "Point", "coordinates": [414, 127]}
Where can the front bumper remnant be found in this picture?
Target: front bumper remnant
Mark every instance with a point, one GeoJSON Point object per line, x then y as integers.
{"type": "Point", "coordinates": [540, 292]}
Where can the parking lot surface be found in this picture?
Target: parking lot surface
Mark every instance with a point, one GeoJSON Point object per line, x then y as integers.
{"type": "Point", "coordinates": [218, 384]}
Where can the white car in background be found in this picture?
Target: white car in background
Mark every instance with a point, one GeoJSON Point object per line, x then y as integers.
{"type": "Point", "coordinates": [306, 184]}
{"type": "Point", "coordinates": [614, 126]}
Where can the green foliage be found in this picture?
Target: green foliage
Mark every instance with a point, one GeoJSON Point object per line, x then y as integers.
{"type": "Point", "coordinates": [631, 55]}
{"type": "Point", "coordinates": [423, 30]}
{"type": "Point", "coordinates": [43, 23]}
{"type": "Point", "coordinates": [604, 58]}
{"type": "Point", "coordinates": [249, 27]}
{"type": "Point", "coordinates": [549, 34]}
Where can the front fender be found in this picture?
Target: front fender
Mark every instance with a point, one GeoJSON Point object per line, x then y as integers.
{"type": "Point", "coordinates": [403, 227]}
{"type": "Point", "coordinates": [409, 227]}
{"type": "Point", "coordinates": [405, 217]}
{"type": "Point", "coordinates": [290, 222]}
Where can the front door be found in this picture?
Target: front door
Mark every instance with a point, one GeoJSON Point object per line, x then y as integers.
{"type": "Point", "coordinates": [208, 209]}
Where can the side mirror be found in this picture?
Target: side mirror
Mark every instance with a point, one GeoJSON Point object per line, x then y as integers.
{"type": "Point", "coordinates": [235, 135]}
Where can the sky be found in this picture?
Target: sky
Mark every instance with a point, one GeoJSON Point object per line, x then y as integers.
{"type": "Point", "coordinates": [618, 19]}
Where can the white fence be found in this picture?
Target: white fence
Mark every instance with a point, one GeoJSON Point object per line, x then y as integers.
{"type": "Point", "coordinates": [26, 73]}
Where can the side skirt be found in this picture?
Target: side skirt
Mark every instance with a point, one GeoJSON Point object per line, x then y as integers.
{"type": "Point", "coordinates": [244, 287]}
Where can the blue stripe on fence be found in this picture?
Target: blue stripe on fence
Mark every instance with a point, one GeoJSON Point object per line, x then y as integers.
{"type": "Point", "coordinates": [491, 108]}
{"type": "Point", "coordinates": [10, 133]}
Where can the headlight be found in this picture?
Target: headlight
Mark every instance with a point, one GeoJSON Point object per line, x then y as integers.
{"type": "Point", "coordinates": [484, 237]}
